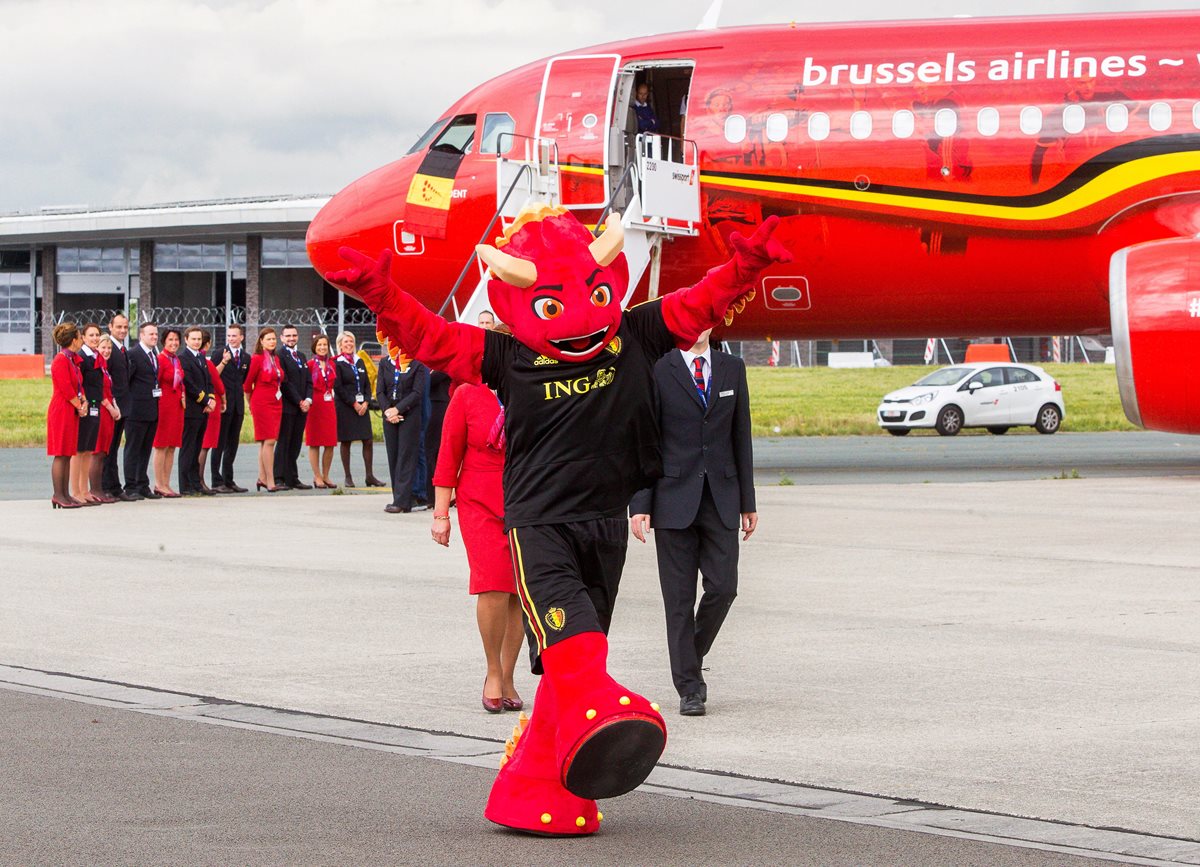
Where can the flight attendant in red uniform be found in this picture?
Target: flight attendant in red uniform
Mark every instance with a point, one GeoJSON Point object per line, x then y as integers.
{"type": "Point", "coordinates": [321, 430]}
{"type": "Point", "coordinates": [471, 462]}
{"type": "Point", "coordinates": [67, 405]}
{"type": "Point", "coordinates": [169, 435]}
{"type": "Point", "coordinates": [109, 413]}
{"type": "Point", "coordinates": [263, 383]}
{"type": "Point", "coordinates": [212, 430]}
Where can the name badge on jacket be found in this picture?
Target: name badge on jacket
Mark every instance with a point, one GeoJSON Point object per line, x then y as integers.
{"type": "Point", "coordinates": [728, 393]}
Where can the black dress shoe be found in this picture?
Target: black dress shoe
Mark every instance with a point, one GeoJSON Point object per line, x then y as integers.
{"type": "Point", "coordinates": [151, 495]}
{"type": "Point", "coordinates": [393, 509]}
{"type": "Point", "coordinates": [691, 705]}
{"type": "Point", "coordinates": [221, 489]}
{"type": "Point", "coordinates": [206, 492]}
{"type": "Point", "coordinates": [299, 486]}
{"type": "Point", "coordinates": [126, 497]}
{"type": "Point", "coordinates": [703, 691]}
{"type": "Point", "coordinates": [235, 489]}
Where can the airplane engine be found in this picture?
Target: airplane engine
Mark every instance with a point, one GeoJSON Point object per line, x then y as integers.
{"type": "Point", "coordinates": [1154, 293]}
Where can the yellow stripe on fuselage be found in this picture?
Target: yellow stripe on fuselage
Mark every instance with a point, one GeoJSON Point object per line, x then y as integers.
{"type": "Point", "coordinates": [1115, 180]}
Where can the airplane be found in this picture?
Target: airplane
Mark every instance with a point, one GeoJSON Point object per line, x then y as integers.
{"type": "Point", "coordinates": [1019, 176]}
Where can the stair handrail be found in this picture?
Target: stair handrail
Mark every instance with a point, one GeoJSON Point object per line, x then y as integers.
{"type": "Point", "coordinates": [630, 171]}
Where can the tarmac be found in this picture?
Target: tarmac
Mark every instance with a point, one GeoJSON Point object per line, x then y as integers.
{"type": "Point", "coordinates": [1014, 649]}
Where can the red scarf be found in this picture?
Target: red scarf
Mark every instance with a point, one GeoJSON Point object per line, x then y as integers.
{"type": "Point", "coordinates": [327, 376]}
{"type": "Point", "coordinates": [176, 370]}
{"type": "Point", "coordinates": [76, 373]}
{"type": "Point", "coordinates": [273, 365]}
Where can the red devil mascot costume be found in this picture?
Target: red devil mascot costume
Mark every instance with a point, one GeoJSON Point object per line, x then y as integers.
{"type": "Point", "coordinates": [576, 382]}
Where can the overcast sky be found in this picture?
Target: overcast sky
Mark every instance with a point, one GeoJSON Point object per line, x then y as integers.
{"type": "Point", "coordinates": [115, 102]}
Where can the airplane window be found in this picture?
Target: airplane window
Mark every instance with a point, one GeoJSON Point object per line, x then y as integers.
{"type": "Point", "coordinates": [903, 123]}
{"type": "Point", "coordinates": [495, 125]}
{"type": "Point", "coordinates": [945, 122]}
{"type": "Point", "coordinates": [777, 127]}
{"type": "Point", "coordinates": [1160, 117]}
{"type": "Point", "coordinates": [1074, 119]}
{"type": "Point", "coordinates": [735, 129]}
{"type": "Point", "coordinates": [1116, 117]}
{"type": "Point", "coordinates": [988, 121]}
{"type": "Point", "coordinates": [1196, 115]}
{"type": "Point", "coordinates": [860, 124]}
{"type": "Point", "coordinates": [1031, 120]}
{"type": "Point", "coordinates": [818, 126]}
{"type": "Point", "coordinates": [424, 140]}
{"type": "Point", "coordinates": [458, 136]}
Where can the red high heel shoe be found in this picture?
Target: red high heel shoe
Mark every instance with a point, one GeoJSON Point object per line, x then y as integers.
{"type": "Point", "coordinates": [491, 705]}
{"type": "Point", "coordinates": [60, 503]}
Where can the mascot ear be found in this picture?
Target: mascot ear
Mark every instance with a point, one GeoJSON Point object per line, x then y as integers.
{"type": "Point", "coordinates": [517, 272]}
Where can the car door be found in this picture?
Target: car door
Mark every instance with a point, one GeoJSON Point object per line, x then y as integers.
{"type": "Point", "coordinates": [1026, 395]}
{"type": "Point", "coordinates": [987, 403]}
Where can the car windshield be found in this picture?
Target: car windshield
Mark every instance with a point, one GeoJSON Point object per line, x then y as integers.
{"type": "Point", "coordinates": [945, 376]}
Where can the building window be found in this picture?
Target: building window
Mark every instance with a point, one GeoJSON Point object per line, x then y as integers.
{"type": "Point", "coordinates": [284, 253]}
{"type": "Point", "coordinates": [93, 260]}
{"type": "Point", "coordinates": [16, 304]}
{"type": "Point", "coordinates": [170, 256]}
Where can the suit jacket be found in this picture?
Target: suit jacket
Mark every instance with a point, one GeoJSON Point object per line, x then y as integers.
{"type": "Point", "coordinates": [700, 442]}
{"type": "Point", "coordinates": [143, 379]}
{"type": "Point", "coordinates": [409, 391]}
{"type": "Point", "coordinates": [297, 380]}
{"type": "Point", "coordinates": [197, 383]}
{"type": "Point", "coordinates": [234, 377]}
{"type": "Point", "coordinates": [118, 369]}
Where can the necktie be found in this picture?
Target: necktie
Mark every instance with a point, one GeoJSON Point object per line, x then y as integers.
{"type": "Point", "coordinates": [698, 376]}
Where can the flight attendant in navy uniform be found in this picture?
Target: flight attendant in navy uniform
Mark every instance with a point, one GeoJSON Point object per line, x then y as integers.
{"type": "Point", "coordinates": [142, 422]}
{"type": "Point", "coordinates": [297, 400]}
{"type": "Point", "coordinates": [233, 363]}
{"type": "Point", "coordinates": [118, 370]}
{"type": "Point", "coordinates": [351, 390]}
{"type": "Point", "coordinates": [199, 402]}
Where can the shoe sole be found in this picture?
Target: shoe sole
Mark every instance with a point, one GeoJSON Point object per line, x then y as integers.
{"type": "Point", "coordinates": [615, 758]}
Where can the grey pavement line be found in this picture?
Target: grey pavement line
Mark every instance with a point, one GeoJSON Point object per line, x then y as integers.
{"type": "Point", "coordinates": [718, 787]}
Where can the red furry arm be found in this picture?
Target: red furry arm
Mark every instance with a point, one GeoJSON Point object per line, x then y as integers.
{"type": "Point", "coordinates": [725, 289]}
{"type": "Point", "coordinates": [453, 348]}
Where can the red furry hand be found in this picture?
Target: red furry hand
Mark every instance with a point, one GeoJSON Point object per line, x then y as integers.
{"type": "Point", "coordinates": [367, 278]}
{"type": "Point", "coordinates": [759, 250]}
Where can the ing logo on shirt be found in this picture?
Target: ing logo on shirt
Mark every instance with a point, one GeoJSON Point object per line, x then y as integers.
{"type": "Point", "coordinates": [580, 385]}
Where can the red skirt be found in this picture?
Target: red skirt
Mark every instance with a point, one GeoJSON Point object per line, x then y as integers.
{"type": "Point", "coordinates": [481, 522]}
{"type": "Point", "coordinates": [321, 428]}
{"type": "Point", "coordinates": [212, 429]}
{"type": "Point", "coordinates": [62, 428]}
{"type": "Point", "coordinates": [169, 434]}
{"type": "Point", "coordinates": [105, 437]}
{"type": "Point", "coordinates": [267, 410]}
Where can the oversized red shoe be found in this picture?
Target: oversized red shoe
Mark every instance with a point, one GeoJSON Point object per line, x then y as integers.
{"type": "Point", "coordinates": [528, 794]}
{"type": "Point", "coordinates": [607, 738]}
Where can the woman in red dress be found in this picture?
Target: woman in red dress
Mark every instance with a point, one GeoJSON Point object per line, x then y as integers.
{"type": "Point", "coordinates": [67, 406]}
{"type": "Point", "coordinates": [264, 382]}
{"type": "Point", "coordinates": [471, 462]}
{"type": "Point", "coordinates": [169, 435]}
{"type": "Point", "coordinates": [212, 427]}
{"type": "Point", "coordinates": [109, 413]}
{"type": "Point", "coordinates": [320, 432]}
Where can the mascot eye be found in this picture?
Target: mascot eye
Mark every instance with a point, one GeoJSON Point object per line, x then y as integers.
{"type": "Point", "coordinates": [601, 295]}
{"type": "Point", "coordinates": [547, 308]}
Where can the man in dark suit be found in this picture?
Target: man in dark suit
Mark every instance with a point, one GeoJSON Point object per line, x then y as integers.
{"type": "Point", "coordinates": [198, 402]}
{"type": "Point", "coordinates": [399, 387]}
{"type": "Point", "coordinates": [142, 421]}
{"type": "Point", "coordinates": [118, 370]}
{"type": "Point", "coordinates": [297, 391]}
{"type": "Point", "coordinates": [696, 508]}
{"type": "Point", "coordinates": [232, 363]}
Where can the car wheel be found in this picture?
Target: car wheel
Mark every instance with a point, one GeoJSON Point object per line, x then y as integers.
{"type": "Point", "coordinates": [998, 431]}
{"type": "Point", "coordinates": [898, 431]}
{"type": "Point", "coordinates": [1048, 419]}
{"type": "Point", "coordinates": [949, 421]}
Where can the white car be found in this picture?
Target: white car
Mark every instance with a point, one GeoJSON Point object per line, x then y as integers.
{"type": "Point", "coordinates": [989, 394]}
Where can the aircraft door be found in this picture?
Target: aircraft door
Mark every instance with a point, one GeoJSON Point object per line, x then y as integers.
{"type": "Point", "coordinates": [576, 112]}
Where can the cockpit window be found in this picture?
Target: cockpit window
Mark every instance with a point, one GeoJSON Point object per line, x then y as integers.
{"type": "Point", "coordinates": [458, 136]}
{"type": "Point", "coordinates": [424, 140]}
{"type": "Point", "coordinates": [497, 133]}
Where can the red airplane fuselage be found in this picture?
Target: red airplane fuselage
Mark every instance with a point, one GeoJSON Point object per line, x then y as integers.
{"type": "Point", "coordinates": [934, 178]}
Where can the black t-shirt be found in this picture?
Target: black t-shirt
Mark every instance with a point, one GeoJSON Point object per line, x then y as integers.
{"type": "Point", "coordinates": [581, 437]}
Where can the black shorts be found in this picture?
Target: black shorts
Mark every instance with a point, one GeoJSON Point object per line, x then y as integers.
{"type": "Point", "coordinates": [567, 578]}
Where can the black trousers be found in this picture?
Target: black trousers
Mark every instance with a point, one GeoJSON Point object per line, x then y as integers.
{"type": "Point", "coordinates": [189, 453]}
{"type": "Point", "coordinates": [226, 451]}
{"type": "Point", "coordinates": [287, 449]}
{"type": "Point", "coordinates": [402, 441]}
{"type": "Point", "coordinates": [110, 481]}
{"type": "Point", "coordinates": [139, 443]}
{"type": "Point", "coordinates": [710, 548]}
{"type": "Point", "coordinates": [567, 578]}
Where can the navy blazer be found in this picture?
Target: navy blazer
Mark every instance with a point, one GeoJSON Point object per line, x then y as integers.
{"type": "Point", "coordinates": [700, 442]}
{"type": "Point", "coordinates": [143, 379]}
{"type": "Point", "coordinates": [118, 369]}
{"type": "Point", "coordinates": [234, 377]}
{"type": "Point", "coordinates": [197, 383]}
{"type": "Point", "coordinates": [297, 379]}
{"type": "Point", "coordinates": [409, 389]}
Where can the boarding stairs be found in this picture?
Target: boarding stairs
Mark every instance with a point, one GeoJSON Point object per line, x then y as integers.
{"type": "Point", "coordinates": [657, 195]}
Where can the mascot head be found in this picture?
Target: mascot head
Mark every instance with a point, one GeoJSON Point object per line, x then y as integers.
{"type": "Point", "coordinates": [558, 288]}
